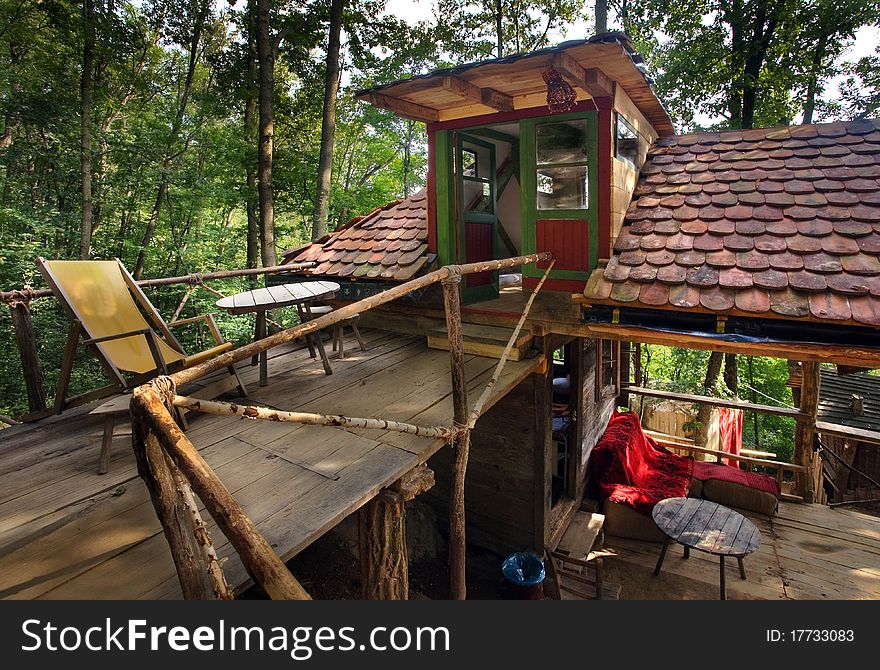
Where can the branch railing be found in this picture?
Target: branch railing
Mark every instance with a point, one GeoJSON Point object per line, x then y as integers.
{"type": "Point", "coordinates": [19, 300]}
{"type": "Point", "coordinates": [169, 463]}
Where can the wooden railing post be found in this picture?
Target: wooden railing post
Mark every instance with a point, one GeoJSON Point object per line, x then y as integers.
{"type": "Point", "coordinates": [257, 555]}
{"type": "Point", "coordinates": [27, 348]}
{"type": "Point", "coordinates": [157, 471]}
{"type": "Point", "coordinates": [457, 539]}
{"type": "Point", "coordinates": [805, 429]}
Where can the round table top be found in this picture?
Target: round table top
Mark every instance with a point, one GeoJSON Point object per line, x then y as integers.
{"type": "Point", "coordinates": [706, 526]}
{"type": "Point", "coordinates": [282, 295]}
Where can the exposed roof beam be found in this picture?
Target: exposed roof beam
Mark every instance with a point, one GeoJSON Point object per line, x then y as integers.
{"type": "Point", "coordinates": [592, 80]}
{"type": "Point", "coordinates": [404, 108]}
{"type": "Point", "coordinates": [485, 96]}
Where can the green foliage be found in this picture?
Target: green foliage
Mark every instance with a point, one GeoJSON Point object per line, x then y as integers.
{"type": "Point", "coordinates": [708, 54]}
{"type": "Point", "coordinates": [683, 371]}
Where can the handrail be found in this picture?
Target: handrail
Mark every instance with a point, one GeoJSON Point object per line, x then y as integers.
{"type": "Point", "coordinates": [342, 313]}
{"type": "Point", "coordinates": [16, 295]}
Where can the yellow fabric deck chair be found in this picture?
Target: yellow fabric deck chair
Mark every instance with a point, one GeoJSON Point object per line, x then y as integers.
{"type": "Point", "coordinates": [102, 300]}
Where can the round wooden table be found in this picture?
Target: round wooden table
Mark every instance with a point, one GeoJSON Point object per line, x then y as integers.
{"type": "Point", "coordinates": [706, 526]}
{"type": "Point", "coordinates": [261, 300]}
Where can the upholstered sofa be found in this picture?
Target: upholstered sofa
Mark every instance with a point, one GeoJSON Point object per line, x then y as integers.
{"type": "Point", "coordinates": [630, 473]}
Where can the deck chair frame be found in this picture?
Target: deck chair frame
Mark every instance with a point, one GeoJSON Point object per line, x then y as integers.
{"type": "Point", "coordinates": [154, 320]}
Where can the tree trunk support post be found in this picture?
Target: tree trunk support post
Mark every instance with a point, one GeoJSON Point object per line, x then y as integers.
{"type": "Point", "coordinates": [457, 539]}
{"type": "Point", "coordinates": [384, 560]}
{"type": "Point", "coordinates": [805, 429]}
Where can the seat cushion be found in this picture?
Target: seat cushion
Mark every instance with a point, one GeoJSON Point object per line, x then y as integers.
{"type": "Point", "coordinates": [623, 521]}
{"type": "Point", "coordinates": [731, 494]}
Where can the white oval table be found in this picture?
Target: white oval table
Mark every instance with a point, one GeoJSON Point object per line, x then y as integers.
{"type": "Point", "coordinates": [298, 294]}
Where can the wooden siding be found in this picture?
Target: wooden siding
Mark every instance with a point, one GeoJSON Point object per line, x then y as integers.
{"type": "Point", "coordinates": [567, 240]}
{"type": "Point", "coordinates": [500, 496]}
{"type": "Point", "coordinates": [623, 174]}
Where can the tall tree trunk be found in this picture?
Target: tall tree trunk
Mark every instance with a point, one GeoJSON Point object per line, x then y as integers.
{"type": "Point", "coordinates": [407, 150]}
{"type": "Point", "coordinates": [168, 157]}
{"type": "Point", "coordinates": [266, 57]}
{"type": "Point", "coordinates": [813, 81]}
{"type": "Point", "coordinates": [763, 31]}
{"type": "Point", "coordinates": [731, 379]}
{"type": "Point", "coordinates": [328, 123]}
{"type": "Point", "coordinates": [601, 16]}
{"type": "Point", "coordinates": [250, 130]}
{"type": "Point", "coordinates": [713, 369]}
{"type": "Point", "coordinates": [499, 27]}
{"type": "Point", "coordinates": [85, 88]}
{"type": "Point", "coordinates": [704, 412]}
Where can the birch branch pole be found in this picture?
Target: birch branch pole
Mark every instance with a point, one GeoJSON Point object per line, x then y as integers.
{"type": "Point", "coordinates": [269, 414]}
{"type": "Point", "coordinates": [487, 392]}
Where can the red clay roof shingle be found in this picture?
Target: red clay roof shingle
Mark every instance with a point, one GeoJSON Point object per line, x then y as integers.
{"type": "Point", "coordinates": [775, 222]}
{"type": "Point", "coordinates": [390, 242]}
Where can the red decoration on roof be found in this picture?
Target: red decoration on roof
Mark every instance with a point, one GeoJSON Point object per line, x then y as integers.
{"type": "Point", "coordinates": [560, 96]}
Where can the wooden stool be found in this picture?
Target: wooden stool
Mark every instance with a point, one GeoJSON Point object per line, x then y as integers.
{"type": "Point", "coordinates": [338, 329]}
{"type": "Point", "coordinates": [339, 335]}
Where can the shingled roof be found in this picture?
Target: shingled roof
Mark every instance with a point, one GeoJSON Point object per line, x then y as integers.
{"type": "Point", "coordinates": [390, 242]}
{"type": "Point", "coordinates": [778, 222]}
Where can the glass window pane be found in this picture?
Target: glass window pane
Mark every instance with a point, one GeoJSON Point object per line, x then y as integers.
{"type": "Point", "coordinates": [562, 187]}
{"type": "Point", "coordinates": [469, 163]}
{"type": "Point", "coordinates": [477, 196]}
{"type": "Point", "coordinates": [561, 142]}
{"type": "Point", "coordinates": [627, 141]}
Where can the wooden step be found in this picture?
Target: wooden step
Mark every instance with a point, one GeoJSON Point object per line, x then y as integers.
{"type": "Point", "coordinates": [483, 340]}
{"type": "Point", "coordinates": [580, 536]}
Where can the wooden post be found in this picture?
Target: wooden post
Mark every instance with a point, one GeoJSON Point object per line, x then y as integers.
{"type": "Point", "coordinates": [382, 548]}
{"type": "Point", "coordinates": [457, 538]}
{"type": "Point", "coordinates": [382, 537]}
{"type": "Point", "coordinates": [637, 364]}
{"type": "Point", "coordinates": [257, 555]}
{"type": "Point", "coordinates": [805, 429]}
{"type": "Point", "coordinates": [27, 349]}
{"type": "Point", "coordinates": [177, 522]}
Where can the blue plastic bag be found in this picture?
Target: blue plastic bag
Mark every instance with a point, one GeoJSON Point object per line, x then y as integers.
{"type": "Point", "coordinates": [523, 569]}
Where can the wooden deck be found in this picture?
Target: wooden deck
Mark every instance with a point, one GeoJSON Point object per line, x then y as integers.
{"type": "Point", "coordinates": [807, 552]}
{"type": "Point", "coordinates": [66, 532]}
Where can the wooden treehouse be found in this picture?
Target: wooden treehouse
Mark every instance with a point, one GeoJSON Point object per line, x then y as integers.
{"type": "Point", "coordinates": [563, 221]}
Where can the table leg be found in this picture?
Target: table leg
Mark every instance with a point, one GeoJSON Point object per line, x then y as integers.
{"type": "Point", "coordinates": [742, 568]}
{"type": "Point", "coordinates": [303, 317]}
{"type": "Point", "coordinates": [264, 356]}
{"type": "Point", "coordinates": [662, 556]}
{"type": "Point", "coordinates": [259, 333]}
{"type": "Point", "coordinates": [723, 584]}
{"type": "Point", "coordinates": [320, 344]}
{"type": "Point", "coordinates": [687, 551]}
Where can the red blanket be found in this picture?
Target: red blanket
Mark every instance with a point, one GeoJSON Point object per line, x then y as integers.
{"type": "Point", "coordinates": [631, 468]}
{"type": "Point", "coordinates": [704, 470]}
